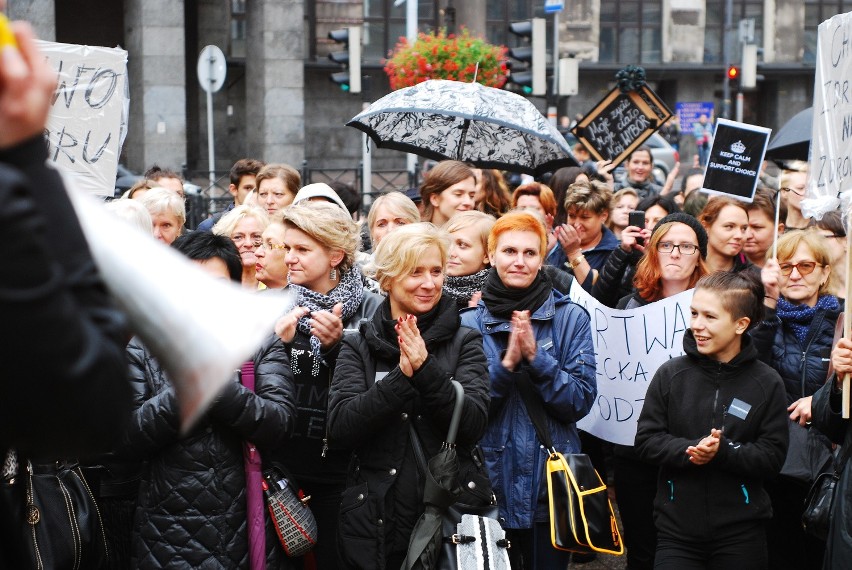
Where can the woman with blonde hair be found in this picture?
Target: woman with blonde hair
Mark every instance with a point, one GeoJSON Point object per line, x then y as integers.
{"type": "Point", "coordinates": [467, 262]}
{"type": "Point", "coordinates": [795, 338]}
{"type": "Point", "coordinates": [245, 226]}
{"type": "Point", "coordinates": [320, 244]}
{"type": "Point", "coordinates": [271, 267]}
{"type": "Point", "coordinates": [449, 188]}
{"type": "Point", "coordinates": [392, 386]}
{"type": "Point", "coordinates": [388, 212]}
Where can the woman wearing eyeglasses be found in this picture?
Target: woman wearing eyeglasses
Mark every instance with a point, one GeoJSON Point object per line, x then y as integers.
{"type": "Point", "coordinates": [673, 262]}
{"type": "Point", "coordinates": [245, 225]}
{"type": "Point", "coordinates": [271, 266]}
{"type": "Point", "coordinates": [796, 339]}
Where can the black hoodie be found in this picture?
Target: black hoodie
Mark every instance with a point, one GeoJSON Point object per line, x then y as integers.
{"type": "Point", "coordinates": [688, 396]}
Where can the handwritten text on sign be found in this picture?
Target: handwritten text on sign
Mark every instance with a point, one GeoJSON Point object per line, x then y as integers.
{"type": "Point", "coordinates": [88, 120]}
{"type": "Point", "coordinates": [831, 137]}
{"type": "Point", "coordinates": [620, 123]}
{"type": "Point", "coordinates": [629, 346]}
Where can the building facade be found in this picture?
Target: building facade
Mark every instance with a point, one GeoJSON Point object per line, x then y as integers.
{"type": "Point", "coordinates": [278, 104]}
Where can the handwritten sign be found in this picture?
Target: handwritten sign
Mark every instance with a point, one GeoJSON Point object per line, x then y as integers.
{"type": "Point", "coordinates": [831, 137]}
{"type": "Point", "coordinates": [620, 123]}
{"type": "Point", "coordinates": [88, 120]}
{"type": "Point", "coordinates": [736, 157]}
{"type": "Point", "coordinates": [629, 347]}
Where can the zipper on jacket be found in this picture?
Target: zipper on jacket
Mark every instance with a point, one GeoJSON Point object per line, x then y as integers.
{"type": "Point", "coordinates": [745, 492]}
{"type": "Point", "coordinates": [671, 490]}
{"type": "Point", "coordinates": [715, 403]}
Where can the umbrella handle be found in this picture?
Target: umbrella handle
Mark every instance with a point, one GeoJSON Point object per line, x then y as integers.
{"type": "Point", "coordinates": [457, 412]}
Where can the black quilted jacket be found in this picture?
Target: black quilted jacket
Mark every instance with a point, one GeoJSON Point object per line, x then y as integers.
{"type": "Point", "coordinates": [191, 510]}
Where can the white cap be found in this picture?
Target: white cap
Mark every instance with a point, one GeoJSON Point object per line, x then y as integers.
{"type": "Point", "coordinates": [319, 190]}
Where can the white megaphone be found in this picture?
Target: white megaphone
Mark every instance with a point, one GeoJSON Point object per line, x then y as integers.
{"type": "Point", "coordinates": [200, 328]}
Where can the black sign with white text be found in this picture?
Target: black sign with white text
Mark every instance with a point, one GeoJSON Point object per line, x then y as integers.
{"type": "Point", "coordinates": [735, 159]}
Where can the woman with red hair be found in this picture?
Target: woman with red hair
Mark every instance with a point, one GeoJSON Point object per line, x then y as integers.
{"type": "Point", "coordinates": [673, 263]}
{"type": "Point", "coordinates": [539, 344]}
{"type": "Point", "coordinates": [726, 222]}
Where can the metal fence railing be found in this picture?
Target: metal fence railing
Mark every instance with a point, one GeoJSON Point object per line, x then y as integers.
{"type": "Point", "coordinates": [211, 199]}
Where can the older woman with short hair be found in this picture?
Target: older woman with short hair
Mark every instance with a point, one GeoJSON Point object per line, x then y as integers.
{"type": "Point", "coordinates": [392, 384]}
{"type": "Point", "coordinates": [271, 267]}
{"type": "Point", "coordinates": [543, 341]}
{"type": "Point", "coordinates": [168, 213]}
{"type": "Point", "coordinates": [245, 226]}
{"type": "Point", "coordinates": [320, 243]}
{"type": "Point", "coordinates": [388, 212]}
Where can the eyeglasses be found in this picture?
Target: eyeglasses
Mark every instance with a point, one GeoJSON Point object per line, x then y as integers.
{"type": "Point", "coordinates": [271, 246]}
{"type": "Point", "coordinates": [804, 267]}
{"type": "Point", "coordinates": [683, 248]}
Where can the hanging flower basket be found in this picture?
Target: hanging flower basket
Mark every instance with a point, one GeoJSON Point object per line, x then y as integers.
{"type": "Point", "coordinates": [439, 55]}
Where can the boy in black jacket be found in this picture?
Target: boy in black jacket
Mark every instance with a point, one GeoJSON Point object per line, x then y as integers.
{"type": "Point", "coordinates": [715, 421]}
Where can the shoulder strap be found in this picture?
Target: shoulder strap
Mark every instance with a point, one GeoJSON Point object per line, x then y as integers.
{"type": "Point", "coordinates": [841, 461]}
{"type": "Point", "coordinates": [535, 410]}
{"type": "Point", "coordinates": [417, 447]}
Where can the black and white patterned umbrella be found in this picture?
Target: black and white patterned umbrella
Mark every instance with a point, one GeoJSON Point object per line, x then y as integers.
{"type": "Point", "coordinates": [482, 126]}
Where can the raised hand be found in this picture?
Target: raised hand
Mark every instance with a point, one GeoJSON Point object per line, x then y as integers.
{"type": "Point", "coordinates": [327, 326]}
{"type": "Point", "coordinates": [412, 347]}
{"type": "Point", "coordinates": [285, 328]}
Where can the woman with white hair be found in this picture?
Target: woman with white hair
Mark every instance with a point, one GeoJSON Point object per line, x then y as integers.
{"type": "Point", "coordinates": [168, 213]}
{"type": "Point", "coordinates": [245, 226]}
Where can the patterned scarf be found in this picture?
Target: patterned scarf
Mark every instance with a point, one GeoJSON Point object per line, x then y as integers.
{"type": "Point", "coordinates": [461, 288]}
{"type": "Point", "coordinates": [349, 291]}
{"type": "Point", "coordinates": [799, 317]}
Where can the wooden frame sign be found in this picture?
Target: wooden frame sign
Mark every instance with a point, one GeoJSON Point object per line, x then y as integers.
{"type": "Point", "coordinates": [620, 123]}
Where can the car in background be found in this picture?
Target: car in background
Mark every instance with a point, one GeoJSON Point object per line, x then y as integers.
{"type": "Point", "coordinates": [125, 179]}
{"type": "Point", "coordinates": [665, 157]}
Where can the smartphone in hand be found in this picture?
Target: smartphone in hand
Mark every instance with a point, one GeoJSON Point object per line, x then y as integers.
{"type": "Point", "coordinates": [637, 218]}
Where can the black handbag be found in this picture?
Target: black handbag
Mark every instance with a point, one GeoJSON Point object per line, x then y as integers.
{"type": "Point", "coordinates": [50, 518]}
{"type": "Point", "coordinates": [582, 519]}
{"type": "Point", "coordinates": [471, 535]}
{"type": "Point", "coordinates": [809, 452]}
{"type": "Point", "coordinates": [816, 518]}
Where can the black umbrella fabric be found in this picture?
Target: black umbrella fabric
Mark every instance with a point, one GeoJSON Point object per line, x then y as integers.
{"type": "Point", "coordinates": [793, 140]}
{"type": "Point", "coordinates": [479, 125]}
{"type": "Point", "coordinates": [441, 490]}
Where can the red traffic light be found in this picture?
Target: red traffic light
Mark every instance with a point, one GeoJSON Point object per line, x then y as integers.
{"type": "Point", "coordinates": [733, 72]}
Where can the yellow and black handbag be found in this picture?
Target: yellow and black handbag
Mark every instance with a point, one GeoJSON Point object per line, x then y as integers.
{"type": "Point", "coordinates": [581, 515]}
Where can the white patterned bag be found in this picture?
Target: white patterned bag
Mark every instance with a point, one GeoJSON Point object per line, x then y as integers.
{"type": "Point", "coordinates": [481, 544]}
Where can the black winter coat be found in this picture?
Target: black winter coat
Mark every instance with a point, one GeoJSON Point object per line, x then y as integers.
{"type": "Point", "coordinates": [616, 277]}
{"type": "Point", "coordinates": [191, 511]}
{"type": "Point", "coordinates": [688, 396]}
{"type": "Point", "coordinates": [797, 364]}
{"type": "Point", "coordinates": [826, 408]}
{"type": "Point", "coordinates": [372, 405]}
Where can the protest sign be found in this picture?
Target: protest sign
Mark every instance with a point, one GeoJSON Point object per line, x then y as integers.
{"type": "Point", "coordinates": [688, 113]}
{"type": "Point", "coordinates": [88, 120]}
{"type": "Point", "coordinates": [629, 347]}
{"type": "Point", "coordinates": [620, 123]}
{"type": "Point", "coordinates": [831, 136]}
{"type": "Point", "coordinates": [736, 158]}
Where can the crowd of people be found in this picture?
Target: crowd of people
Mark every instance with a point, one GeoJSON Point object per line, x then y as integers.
{"type": "Point", "coordinates": [465, 279]}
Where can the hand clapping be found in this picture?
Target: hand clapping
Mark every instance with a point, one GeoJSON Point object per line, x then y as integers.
{"type": "Point", "coordinates": [412, 348]}
{"type": "Point", "coordinates": [705, 450]}
{"type": "Point", "coordinates": [522, 344]}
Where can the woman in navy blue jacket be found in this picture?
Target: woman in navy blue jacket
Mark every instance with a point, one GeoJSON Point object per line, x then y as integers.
{"type": "Point", "coordinates": [795, 339]}
{"type": "Point", "coordinates": [530, 335]}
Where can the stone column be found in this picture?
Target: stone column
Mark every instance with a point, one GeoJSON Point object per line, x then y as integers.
{"type": "Point", "coordinates": [470, 14]}
{"type": "Point", "coordinates": [154, 33]}
{"type": "Point", "coordinates": [40, 13]}
{"type": "Point", "coordinates": [275, 81]}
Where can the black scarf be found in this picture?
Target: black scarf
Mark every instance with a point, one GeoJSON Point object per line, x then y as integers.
{"type": "Point", "coordinates": [501, 300]}
{"type": "Point", "coordinates": [461, 288]}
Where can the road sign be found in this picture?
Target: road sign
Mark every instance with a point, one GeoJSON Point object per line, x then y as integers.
{"type": "Point", "coordinates": [212, 69]}
{"type": "Point", "coordinates": [552, 6]}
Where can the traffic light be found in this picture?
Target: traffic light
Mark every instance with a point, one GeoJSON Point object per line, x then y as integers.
{"type": "Point", "coordinates": [530, 78]}
{"type": "Point", "coordinates": [733, 76]}
{"type": "Point", "coordinates": [350, 79]}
